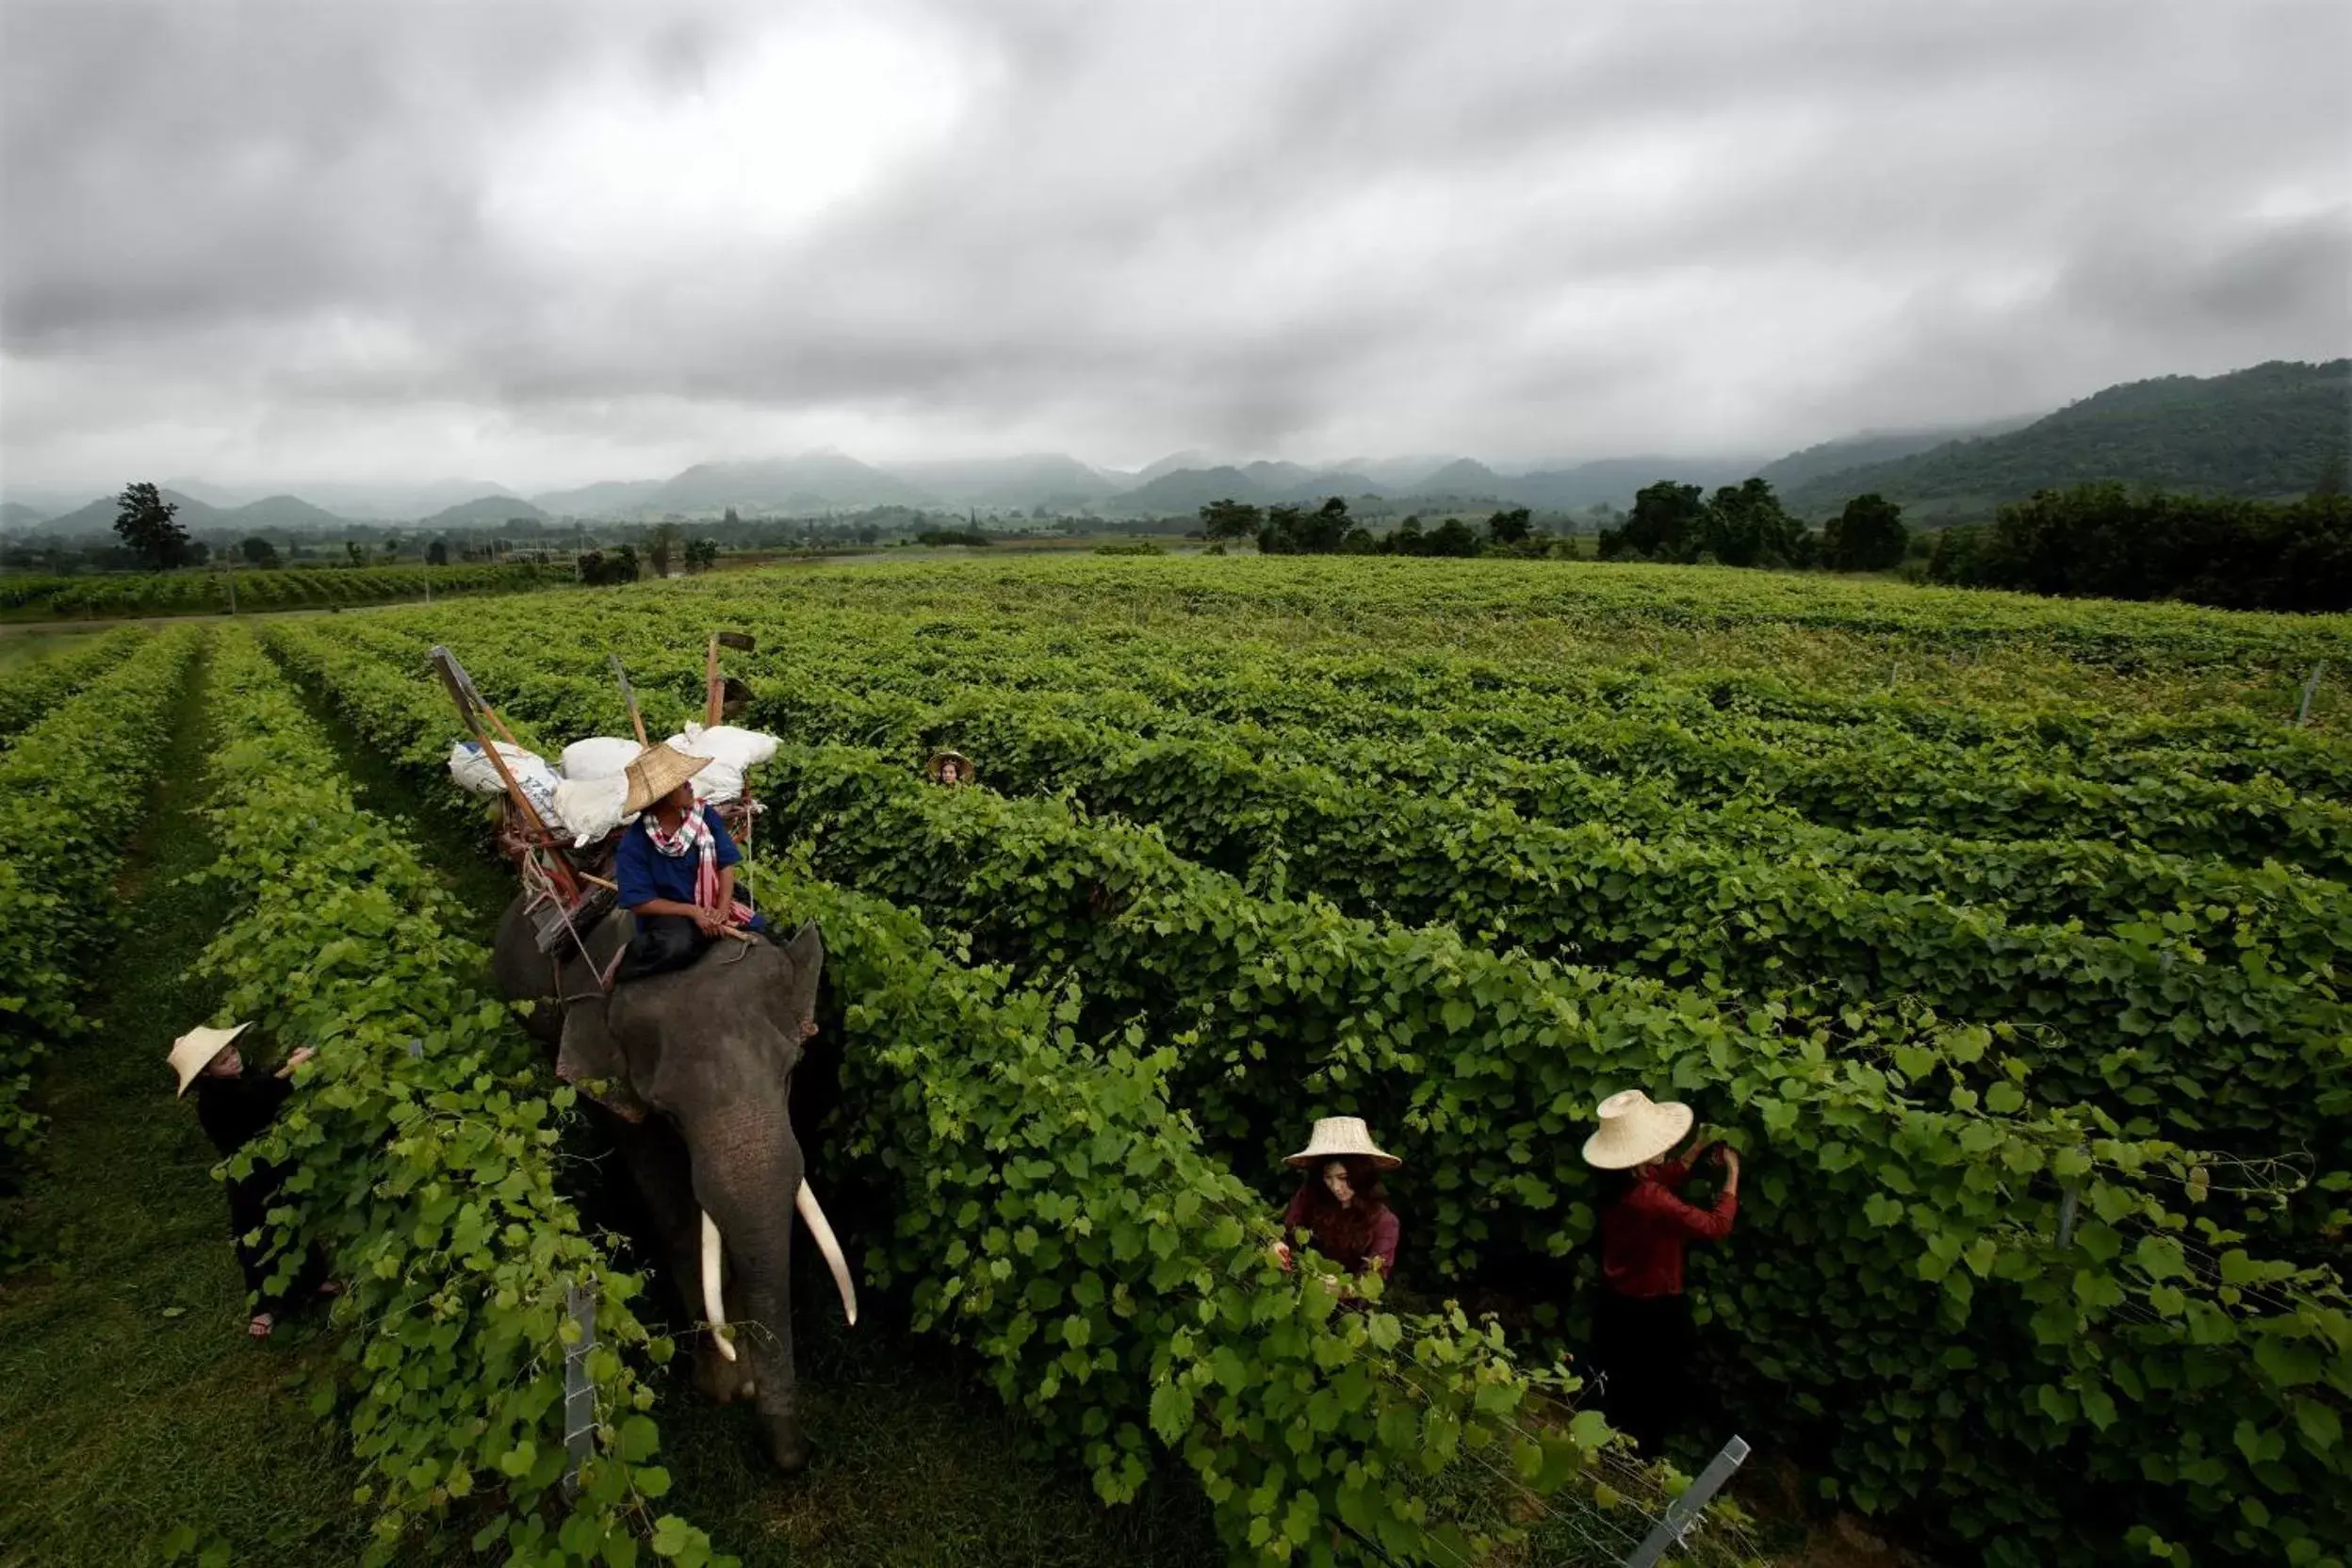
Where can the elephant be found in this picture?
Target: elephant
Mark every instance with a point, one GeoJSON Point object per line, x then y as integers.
{"type": "Point", "coordinates": [692, 1070]}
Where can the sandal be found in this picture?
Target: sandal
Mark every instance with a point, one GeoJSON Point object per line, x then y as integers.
{"type": "Point", "coordinates": [261, 1324]}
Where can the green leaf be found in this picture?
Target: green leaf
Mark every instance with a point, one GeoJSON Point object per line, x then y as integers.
{"type": "Point", "coordinates": [2323, 1428]}
{"type": "Point", "coordinates": [1171, 1413]}
{"type": "Point", "coordinates": [1589, 1429]}
{"type": "Point", "coordinates": [2288, 1362]}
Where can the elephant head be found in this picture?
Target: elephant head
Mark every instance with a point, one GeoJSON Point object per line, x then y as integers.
{"type": "Point", "coordinates": [703, 1058]}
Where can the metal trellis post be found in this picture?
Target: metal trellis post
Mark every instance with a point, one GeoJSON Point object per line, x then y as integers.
{"type": "Point", "coordinates": [2310, 689]}
{"type": "Point", "coordinates": [1684, 1511]}
{"type": "Point", "coordinates": [579, 1392]}
{"type": "Point", "coordinates": [2070, 1199]}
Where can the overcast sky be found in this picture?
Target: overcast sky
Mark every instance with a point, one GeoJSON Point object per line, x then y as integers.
{"type": "Point", "coordinates": [544, 244]}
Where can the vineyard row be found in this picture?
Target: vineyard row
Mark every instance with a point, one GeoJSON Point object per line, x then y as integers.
{"type": "Point", "coordinates": [32, 689]}
{"type": "Point", "coordinates": [73, 788]}
{"type": "Point", "coordinates": [424, 1154]}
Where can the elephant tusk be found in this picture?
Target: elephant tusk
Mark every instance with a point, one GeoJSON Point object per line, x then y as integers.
{"type": "Point", "coordinates": [713, 1306]}
{"type": "Point", "coordinates": [804, 1203]}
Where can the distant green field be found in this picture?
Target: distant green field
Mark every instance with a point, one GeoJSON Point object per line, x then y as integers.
{"type": "Point", "coordinates": [20, 648]}
{"type": "Point", "coordinates": [129, 595]}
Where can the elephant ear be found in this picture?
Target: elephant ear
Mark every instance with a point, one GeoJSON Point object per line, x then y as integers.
{"type": "Point", "coordinates": [806, 951]}
{"type": "Point", "coordinates": [590, 1056]}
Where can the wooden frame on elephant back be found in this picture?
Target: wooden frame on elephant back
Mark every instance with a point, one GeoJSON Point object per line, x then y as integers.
{"type": "Point", "coordinates": [527, 846]}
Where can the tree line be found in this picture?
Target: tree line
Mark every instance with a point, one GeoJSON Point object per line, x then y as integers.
{"type": "Point", "coordinates": [2109, 541]}
{"type": "Point", "coordinates": [2104, 540]}
{"type": "Point", "coordinates": [146, 523]}
{"type": "Point", "coordinates": [1285, 530]}
{"type": "Point", "coordinates": [1743, 525]}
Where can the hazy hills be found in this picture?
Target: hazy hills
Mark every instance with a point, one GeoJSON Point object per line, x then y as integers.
{"type": "Point", "coordinates": [486, 511]}
{"type": "Point", "coordinates": [389, 503]}
{"type": "Point", "coordinates": [1855, 451]}
{"type": "Point", "coordinates": [98, 517]}
{"type": "Point", "coordinates": [289, 513]}
{"type": "Point", "coordinates": [2270, 429]}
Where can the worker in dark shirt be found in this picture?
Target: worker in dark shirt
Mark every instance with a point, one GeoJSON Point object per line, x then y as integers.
{"type": "Point", "coordinates": [1642, 1335]}
{"type": "Point", "coordinates": [675, 867]}
{"type": "Point", "coordinates": [234, 1108]}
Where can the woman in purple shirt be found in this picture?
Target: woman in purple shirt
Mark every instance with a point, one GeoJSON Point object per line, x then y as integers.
{"type": "Point", "coordinates": [1341, 1209]}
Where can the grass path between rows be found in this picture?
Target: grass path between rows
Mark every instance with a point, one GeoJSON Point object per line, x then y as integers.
{"type": "Point", "coordinates": [916, 1464]}
{"type": "Point", "coordinates": [131, 1401]}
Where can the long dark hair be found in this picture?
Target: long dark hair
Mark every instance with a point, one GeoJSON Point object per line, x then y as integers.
{"type": "Point", "coordinates": [1345, 1235]}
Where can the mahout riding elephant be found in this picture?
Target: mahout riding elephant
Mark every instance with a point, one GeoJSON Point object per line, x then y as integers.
{"type": "Point", "coordinates": [692, 1070]}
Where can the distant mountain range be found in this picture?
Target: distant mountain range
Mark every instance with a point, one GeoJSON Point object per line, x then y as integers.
{"type": "Point", "coordinates": [384, 503]}
{"type": "Point", "coordinates": [1872, 445]}
{"type": "Point", "coordinates": [2270, 429]}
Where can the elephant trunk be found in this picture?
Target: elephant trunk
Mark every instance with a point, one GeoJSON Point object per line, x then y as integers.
{"type": "Point", "coordinates": [744, 1161]}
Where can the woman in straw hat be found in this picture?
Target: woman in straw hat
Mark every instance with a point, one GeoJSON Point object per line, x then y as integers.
{"type": "Point", "coordinates": [1641, 1333]}
{"type": "Point", "coordinates": [1342, 1209]}
{"type": "Point", "coordinates": [234, 1109]}
{"type": "Point", "coordinates": [949, 768]}
{"type": "Point", "coordinates": [675, 866]}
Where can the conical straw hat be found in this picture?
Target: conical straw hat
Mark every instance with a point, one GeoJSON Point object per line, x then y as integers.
{"type": "Point", "coordinates": [655, 773]}
{"type": "Point", "coordinates": [1338, 1137]}
{"type": "Point", "coordinates": [963, 766]}
{"type": "Point", "coordinates": [192, 1051]}
{"type": "Point", "coordinates": [1635, 1130]}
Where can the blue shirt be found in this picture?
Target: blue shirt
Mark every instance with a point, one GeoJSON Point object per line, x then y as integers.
{"type": "Point", "coordinates": [646, 873]}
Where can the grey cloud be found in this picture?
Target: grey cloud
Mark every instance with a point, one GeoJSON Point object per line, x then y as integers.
{"type": "Point", "coordinates": [2277, 279]}
{"type": "Point", "coordinates": [1520, 230]}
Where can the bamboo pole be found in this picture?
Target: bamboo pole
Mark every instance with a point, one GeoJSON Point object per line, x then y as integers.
{"type": "Point", "coordinates": [628, 694]}
{"type": "Point", "coordinates": [710, 684]}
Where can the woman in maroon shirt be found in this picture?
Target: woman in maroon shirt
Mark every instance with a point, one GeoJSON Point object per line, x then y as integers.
{"type": "Point", "coordinates": [1641, 1331]}
{"type": "Point", "coordinates": [1341, 1208]}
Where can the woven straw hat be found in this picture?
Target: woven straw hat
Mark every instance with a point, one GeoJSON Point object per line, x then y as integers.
{"type": "Point", "coordinates": [1338, 1137]}
{"type": "Point", "coordinates": [963, 765]}
{"type": "Point", "coordinates": [656, 771]}
{"type": "Point", "coordinates": [1635, 1130]}
{"type": "Point", "coordinates": [194, 1051]}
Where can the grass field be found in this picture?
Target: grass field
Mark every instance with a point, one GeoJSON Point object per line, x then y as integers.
{"type": "Point", "coordinates": [1959, 912]}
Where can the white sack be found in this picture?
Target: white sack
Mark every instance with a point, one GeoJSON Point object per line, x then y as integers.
{"type": "Point", "coordinates": [598, 756]}
{"type": "Point", "coordinates": [731, 750]}
{"type": "Point", "coordinates": [718, 784]}
{"type": "Point", "coordinates": [591, 808]}
{"type": "Point", "coordinates": [475, 771]}
{"type": "Point", "coordinates": [741, 749]}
